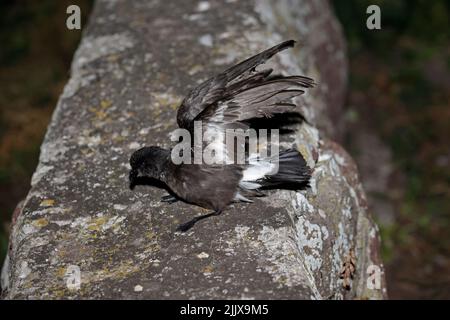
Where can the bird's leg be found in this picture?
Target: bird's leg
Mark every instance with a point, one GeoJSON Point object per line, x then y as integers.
{"type": "Point", "coordinates": [169, 199]}
{"type": "Point", "coordinates": [187, 225]}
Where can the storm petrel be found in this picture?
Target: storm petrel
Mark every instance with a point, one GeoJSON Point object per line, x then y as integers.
{"type": "Point", "coordinates": [230, 99]}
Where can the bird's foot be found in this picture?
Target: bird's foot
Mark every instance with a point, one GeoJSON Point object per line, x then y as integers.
{"type": "Point", "coordinates": [188, 225]}
{"type": "Point", "coordinates": [169, 199]}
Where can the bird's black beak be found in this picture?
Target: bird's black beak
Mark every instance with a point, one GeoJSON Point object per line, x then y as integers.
{"type": "Point", "coordinates": [132, 178]}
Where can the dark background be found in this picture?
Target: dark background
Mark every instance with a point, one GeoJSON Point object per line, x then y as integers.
{"type": "Point", "coordinates": [397, 119]}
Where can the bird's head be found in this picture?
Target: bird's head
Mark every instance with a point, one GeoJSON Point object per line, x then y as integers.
{"type": "Point", "coordinates": [147, 162]}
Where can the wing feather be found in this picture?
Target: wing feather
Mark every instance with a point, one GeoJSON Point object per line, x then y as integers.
{"type": "Point", "coordinates": [237, 95]}
{"type": "Point", "coordinates": [213, 90]}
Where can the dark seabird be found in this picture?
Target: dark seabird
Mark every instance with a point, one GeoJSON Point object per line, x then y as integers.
{"type": "Point", "coordinates": [229, 100]}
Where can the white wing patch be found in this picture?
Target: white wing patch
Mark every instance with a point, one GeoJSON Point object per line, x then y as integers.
{"type": "Point", "coordinates": [214, 139]}
{"type": "Point", "coordinates": [257, 169]}
{"type": "Point", "coordinates": [215, 135]}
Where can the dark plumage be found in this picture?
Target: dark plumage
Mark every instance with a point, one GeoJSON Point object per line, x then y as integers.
{"type": "Point", "coordinates": [229, 100]}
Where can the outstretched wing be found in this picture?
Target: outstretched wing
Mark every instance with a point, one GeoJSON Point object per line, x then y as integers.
{"type": "Point", "coordinates": [230, 99]}
{"type": "Point", "coordinates": [254, 97]}
{"type": "Point", "coordinates": [216, 88]}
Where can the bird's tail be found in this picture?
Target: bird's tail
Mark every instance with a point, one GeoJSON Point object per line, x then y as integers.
{"type": "Point", "coordinates": [293, 172]}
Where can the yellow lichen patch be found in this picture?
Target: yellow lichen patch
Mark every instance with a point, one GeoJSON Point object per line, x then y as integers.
{"type": "Point", "coordinates": [150, 235]}
{"type": "Point", "coordinates": [282, 279]}
{"type": "Point", "coordinates": [167, 125]}
{"type": "Point", "coordinates": [97, 223]}
{"type": "Point", "coordinates": [87, 152]}
{"type": "Point", "coordinates": [61, 272]}
{"type": "Point", "coordinates": [123, 270]}
{"type": "Point", "coordinates": [47, 203]}
{"type": "Point", "coordinates": [64, 236]}
{"type": "Point", "coordinates": [118, 138]}
{"type": "Point", "coordinates": [59, 293]}
{"type": "Point", "coordinates": [208, 269]}
{"type": "Point", "coordinates": [303, 151]}
{"type": "Point", "coordinates": [174, 106]}
{"type": "Point", "coordinates": [167, 100]}
{"type": "Point", "coordinates": [156, 112]}
{"type": "Point", "coordinates": [42, 222]}
{"type": "Point", "coordinates": [195, 69]}
{"type": "Point", "coordinates": [100, 111]}
{"type": "Point", "coordinates": [100, 114]}
{"type": "Point", "coordinates": [62, 253]}
{"type": "Point", "coordinates": [151, 245]}
{"type": "Point", "coordinates": [105, 104]}
{"type": "Point", "coordinates": [113, 57]}
{"type": "Point", "coordinates": [95, 226]}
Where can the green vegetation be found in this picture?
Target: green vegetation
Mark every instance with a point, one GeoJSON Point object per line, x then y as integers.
{"type": "Point", "coordinates": [400, 78]}
{"type": "Point", "coordinates": [35, 57]}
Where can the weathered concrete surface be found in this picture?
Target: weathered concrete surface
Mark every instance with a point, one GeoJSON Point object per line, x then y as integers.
{"type": "Point", "coordinates": [136, 61]}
